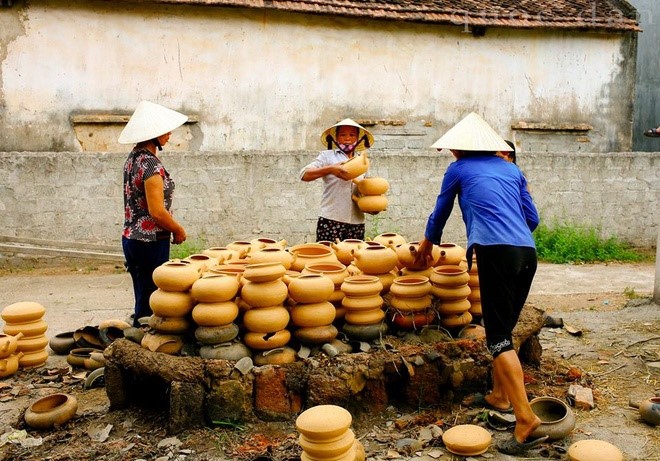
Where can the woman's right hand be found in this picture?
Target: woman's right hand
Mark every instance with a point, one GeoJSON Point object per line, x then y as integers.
{"type": "Point", "coordinates": [179, 236]}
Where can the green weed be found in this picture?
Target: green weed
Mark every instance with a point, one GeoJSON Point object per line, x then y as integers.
{"type": "Point", "coordinates": [187, 248]}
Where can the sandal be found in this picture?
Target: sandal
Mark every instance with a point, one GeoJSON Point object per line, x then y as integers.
{"type": "Point", "coordinates": [652, 133]}
{"type": "Point", "coordinates": [513, 447]}
{"type": "Point", "coordinates": [500, 421]}
{"type": "Point", "coordinates": [480, 401]}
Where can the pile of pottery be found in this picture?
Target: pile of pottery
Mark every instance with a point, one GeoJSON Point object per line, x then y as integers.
{"type": "Point", "coordinates": [450, 287]}
{"type": "Point", "coordinates": [411, 302]}
{"type": "Point", "coordinates": [475, 292]}
{"type": "Point", "coordinates": [311, 313]}
{"type": "Point", "coordinates": [363, 303]}
{"type": "Point", "coordinates": [467, 440]}
{"type": "Point", "coordinates": [326, 434]}
{"type": "Point", "coordinates": [171, 304]}
{"type": "Point", "coordinates": [24, 322]}
{"type": "Point", "coordinates": [375, 259]}
{"type": "Point", "coordinates": [406, 253]}
{"type": "Point", "coordinates": [336, 272]}
{"type": "Point", "coordinates": [214, 314]}
{"type": "Point", "coordinates": [371, 197]}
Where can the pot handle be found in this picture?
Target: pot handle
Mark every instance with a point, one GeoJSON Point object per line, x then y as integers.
{"type": "Point", "coordinates": [355, 198]}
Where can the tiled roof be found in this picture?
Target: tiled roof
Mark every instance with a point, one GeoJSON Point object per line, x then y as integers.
{"type": "Point", "coordinates": [605, 15]}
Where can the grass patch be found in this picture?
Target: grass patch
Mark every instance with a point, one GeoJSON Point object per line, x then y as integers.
{"type": "Point", "coordinates": [565, 243]}
{"type": "Point", "coordinates": [187, 248]}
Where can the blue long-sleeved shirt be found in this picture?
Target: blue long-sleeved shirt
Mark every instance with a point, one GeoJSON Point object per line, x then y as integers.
{"type": "Point", "coordinates": [496, 205]}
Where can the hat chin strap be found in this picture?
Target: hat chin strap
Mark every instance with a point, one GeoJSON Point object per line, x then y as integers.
{"type": "Point", "coordinates": [344, 148]}
{"type": "Point", "coordinates": [156, 143]}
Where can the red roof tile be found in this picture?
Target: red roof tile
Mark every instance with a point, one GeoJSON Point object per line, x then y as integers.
{"type": "Point", "coordinates": [606, 15]}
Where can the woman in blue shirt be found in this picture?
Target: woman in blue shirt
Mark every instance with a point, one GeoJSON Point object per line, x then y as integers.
{"type": "Point", "coordinates": [499, 217]}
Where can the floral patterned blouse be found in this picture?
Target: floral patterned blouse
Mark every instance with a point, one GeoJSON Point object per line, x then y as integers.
{"type": "Point", "coordinates": [140, 166]}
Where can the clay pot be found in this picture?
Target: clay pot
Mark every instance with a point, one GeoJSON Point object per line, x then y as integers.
{"type": "Point", "coordinates": [361, 285]}
{"type": "Point", "coordinates": [472, 331]}
{"type": "Point", "coordinates": [316, 335]}
{"type": "Point", "coordinates": [311, 288]}
{"type": "Point", "coordinates": [264, 272]}
{"type": "Point", "coordinates": [387, 280]}
{"type": "Point", "coordinates": [475, 294]}
{"type": "Point", "coordinates": [473, 281]}
{"type": "Point", "coordinates": [413, 321]}
{"type": "Point", "coordinates": [170, 325]}
{"type": "Point", "coordinates": [93, 364]}
{"type": "Point", "coordinates": [264, 242]}
{"type": "Point", "coordinates": [53, 410]}
{"type": "Point", "coordinates": [328, 450]}
{"type": "Point", "coordinates": [467, 440]}
{"type": "Point", "coordinates": [375, 259]}
{"type": "Point", "coordinates": [264, 294]}
{"type": "Point", "coordinates": [475, 308]}
{"type": "Point", "coordinates": [390, 239]}
{"type": "Point", "coordinates": [557, 418]}
{"type": "Point", "coordinates": [362, 303]}
{"type": "Point", "coordinates": [451, 293]}
{"type": "Point", "coordinates": [242, 247]}
{"type": "Point", "coordinates": [217, 334]}
{"type": "Point", "coordinates": [32, 343]}
{"type": "Point", "coordinates": [62, 343]}
{"type": "Point", "coordinates": [308, 253]}
{"type": "Point", "coordinates": [167, 344]}
{"type": "Point", "coordinates": [344, 249]}
{"type": "Point", "coordinates": [410, 286]}
{"type": "Point", "coordinates": [33, 358]}
{"type": "Point", "coordinates": [272, 255]}
{"type": "Point", "coordinates": [215, 288]}
{"type": "Point", "coordinates": [356, 166]}
{"type": "Point", "coordinates": [365, 332]}
{"type": "Point", "coordinates": [279, 356]}
{"type": "Point", "coordinates": [88, 337]}
{"type": "Point", "coordinates": [454, 307]}
{"type": "Point", "coordinates": [221, 253]}
{"type": "Point", "coordinates": [22, 312]}
{"type": "Point", "coordinates": [456, 321]}
{"type": "Point", "coordinates": [175, 276]}
{"type": "Point", "coordinates": [449, 276]}
{"type": "Point", "coordinates": [411, 304]}
{"type": "Point", "coordinates": [336, 272]}
{"type": "Point", "coordinates": [225, 351]}
{"type": "Point", "coordinates": [263, 341]}
{"type": "Point", "coordinates": [9, 365]}
{"type": "Point", "coordinates": [290, 275]}
{"type": "Point", "coordinates": [313, 315]}
{"type": "Point", "coordinates": [367, 317]}
{"type": "Point", "coordinates": [171, 303]}
{"type": "Point", "coordinates": [202, 262]}
{"type": "Point", "coordinates": [77, 356]}
{"type": "Point", "coordinates": [450, 254]}
{"type": "Point", "coordinates": [406, 253]}
{"type": "Point", "coordinates": [233, 270]}
{"type": "Point", "coordinates": [372, 186]}
{"type": "Point", "coordinates": [371, 203]}
{"type": "Point", "coordinates": [266, 319]}
{"type": "Point", "coordinates": [323, 423]}
{"type": "Point", "coordinates": [8, 344]}
{"type": "Point", "coordinates": [419, 272]}
{"type": "Point", "coordinates": [593, 450]}
{"type": "Point", "coordinates": [649, 410]}
{"type": "Point", "coordinates": [214, 314]}
{"type": "Point", "coordinates": [30, 328]}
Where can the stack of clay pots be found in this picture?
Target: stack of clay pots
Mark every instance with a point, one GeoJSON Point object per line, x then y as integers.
{"type": "Point", "coordinates": [344, 253]}
{"type": "Point", "coordinates": [363, 303]}
{"type": "Point", "coordinates": [24, 321]}
{"type": "Point", "coordinates": [325, 434]}
{"type": "Point", "coordinates": [406, 253]}
{"type": "Point", "coordinates": [312, 314]}
{"type": "Point", "coordinates": [221, 253]}
{"type": "Point", "coordinates": [371, 197]}
{"type": "Point", "coordinates": [475, 293]}
{"type": "Point", "coordinates": [390, 239]}
{"type": "Point", "coordinates": [171, 304]}
{"type": "Point", "coordinates": [266, 318]}
{"type": "Point", "coordinates": [337, 272]}
{"type": "Point", "coordinates": [450, 287]}
{"type": "Point", "coordinates": [379, 260]}
{"type": "Point", "coordinates": [307, 253]}
{"type": "Point", "coordinates": [214, 314]}
{"type": "Point", "coordinates": [410, 302]}
{"type": "Point", "coordinates": [203, 262]}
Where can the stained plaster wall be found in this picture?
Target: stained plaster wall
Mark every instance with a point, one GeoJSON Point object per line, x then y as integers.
{"type": "Point", "coordinates": [221, 197]}
{"type": "Point", "coordinates": [270, 81]}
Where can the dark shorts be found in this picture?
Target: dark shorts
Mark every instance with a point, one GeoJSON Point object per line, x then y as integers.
{"type": "Point", "coordinates": [329, 230]}
{"type": "Point", "coordinates": [505, 277]}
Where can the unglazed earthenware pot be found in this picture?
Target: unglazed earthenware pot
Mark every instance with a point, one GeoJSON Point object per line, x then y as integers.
{"type": "Point", "coordinates": [557, 418]}
{"type": "Point", "coordinates": [372, 185]}
{"type": "Point", "coordinates": [175, 276]}
{"type": "Point", "coordinates": [47, 412]}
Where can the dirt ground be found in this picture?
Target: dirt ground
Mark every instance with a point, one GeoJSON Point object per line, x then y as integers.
{"type": "Point", "coordinates": [614, 351]}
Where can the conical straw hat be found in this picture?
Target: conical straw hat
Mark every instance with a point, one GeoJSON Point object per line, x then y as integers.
{"type": "Point", "coordinates": [149, 121]}
{"type": "Point", "coordinates": [472, 134]}
{"type": "Point", "coordinates": [332, 131]}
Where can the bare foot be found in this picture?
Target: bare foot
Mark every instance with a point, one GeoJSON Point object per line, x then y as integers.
{"type": "Point", "coordinates": [525, 427]}
{"type": "Point", "coordinates": [502, 404]}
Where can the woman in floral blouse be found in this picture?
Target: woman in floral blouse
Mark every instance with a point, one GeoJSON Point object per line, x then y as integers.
{"type": "Point", "coordinates": [148, 222]}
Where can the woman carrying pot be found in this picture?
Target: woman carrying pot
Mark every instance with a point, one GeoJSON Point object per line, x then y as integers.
{"type": "Point", "coordinates": [339, 218]}
{"type": "Point", "coordinates": [499, 216]}
{"type": "Point", "coordinates": [148, 189]}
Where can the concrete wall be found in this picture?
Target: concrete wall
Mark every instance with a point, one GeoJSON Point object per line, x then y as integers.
{"type": "Point", "coordinates": [272, 81]}
{"type": "Point", "coordinates": [647, 98]}
{"type": "Point", "coordinates": [221, 197]}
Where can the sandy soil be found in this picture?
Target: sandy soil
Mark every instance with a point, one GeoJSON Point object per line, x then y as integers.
{"type": "Point", "coordinates": [617, 356]}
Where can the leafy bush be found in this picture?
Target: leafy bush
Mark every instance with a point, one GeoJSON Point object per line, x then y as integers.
{"type": "Point", "coordinates": [565, 243]}
{"type": "Point", "coordinates": [186, 249]}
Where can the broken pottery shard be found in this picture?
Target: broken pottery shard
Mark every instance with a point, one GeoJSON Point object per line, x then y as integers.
{"type": "Point", "coordinates": [304, 352]}
{"type": "Point", "coordinates": [244, 365]}
{"type": "Point", "coordinates": [572, 330]}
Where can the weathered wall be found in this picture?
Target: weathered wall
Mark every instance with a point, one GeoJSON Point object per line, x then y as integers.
{"type": "Point", "coordinates": [222, 197]}
{"type": "Point", "coordinates": [271, 81]}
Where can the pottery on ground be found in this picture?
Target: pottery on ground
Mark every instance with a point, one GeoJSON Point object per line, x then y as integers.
{"type": "Point", "coordinates": [336, 272]}
{"type": "Point", "coordinates": [77, 356]}
{"type": "Point", "coordinates": [279, 356]}
{"type": "Point", "coordinates": [375, 259]}
{"type": "Point", "coordinates": [344, 249]}
{"type": "Point", "coordinates": [9, 344]}
{"type": "Point", "coordinates": [367, 317]}
{"type": "Point", "coordinates": [365, 332]}
{"type": "Point", "coordinates": [214, 314]}
{"type": "Point", "coordinates": [307, 253]}
{"type": "Point", "coordinates": [328, 450]}
{"type": "Point", "coordinates": [22, 312]}
{"type": "Point", "coordinates": [455, 321]}
{"type": "Point", "coordinates": [361, 285]}
{"type": "Point", "coordinates": [362, 303]}
{"type": "Point", "coordinates": [167, 344]}
{"type": "Point", "coordinates": [451, 293]}
{"type": "Point", "coordinates": [311, 288]}
{"type": "Point", "coordinates": [170, 325]}
{"type": "Point", "coordinates": [410, 286]}
{"type": "Point", "coordinates": [324, 423]}
{"type": "Point", "coordinates": [30, 328]}
{"type": "Point", "coordinates": [202, 262]}
{"type": "Point", "coordinates": [263, 341]}
{"type": "Point", "coordinates": [32, 343]}
{"type": "Point", "coordinates": [88, 336]}
{"type": "Point", "coordinates": [171, 303]}
{"type": "Point", "coordinates": [9, 365]}
{"type": "Point", "coordinates": [51, 411]}
{"type": "Point", "coordinates": [649, 410]}
{"type": "Point", "coordinates": [33, 358]}
{"type": "Point", "coordinates": [449, 276]}
{"type": "Point", "coordinates": [225, 351]}
{"type": "Point", "coordinates": [316, 335]}
{"type": "Point", "coordinates": [272, 254]}
{"type": "Point", "coordinates": [266, 319]}
{"type": "Point", "coordinates": [264, 242]}
{"type": "Point", "coordinates": [472, 331]}
{"type": "Point", "coordinates": [216, 334]}
{"type": "Point", "coordinates": [557, 418]}
{"type": "Point", "coordinates": [175, 276]}
{"type": "Point", "coordinates": [411, 304]}
{"type": "Point", "coordinates": [215, 288]}
{"type": "Point", "coordinates": [221, 253]}
{"type": "Point", "coordinates": [593, 450]}
{"type": "Point", "coordinates": [242, 247]}
{"type": "Point", "coordinates": [264, 272]}
{"type": "Point", "coordinates": [454, 307]}
{"type": "Point", "coordinates": [414, 320]}
{"type": "Point", "coordinates": [264, 294]}
{"type": "Point", "coordinates": [467, 439]}
{"type": "Point", "coordinates": [313, 315]}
